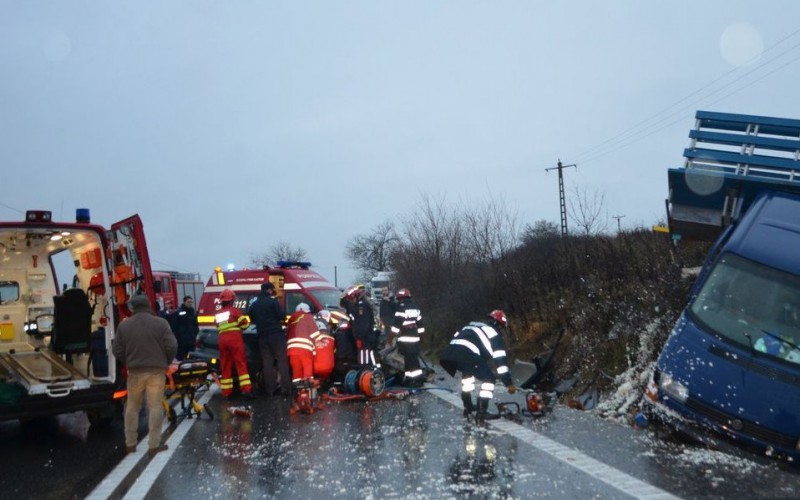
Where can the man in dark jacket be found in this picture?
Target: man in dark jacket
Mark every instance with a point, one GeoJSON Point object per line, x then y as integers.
{"type": "Point", "coordinates": [146, 345]}
{"type": "Point", "coordinates": [470, 352]}
{"type": "Point", "coordinates": [267, 314]}
{"type": "Point", "coordinates": [363, 328]}
{"type": "Point", "coordinates": [184, 324]}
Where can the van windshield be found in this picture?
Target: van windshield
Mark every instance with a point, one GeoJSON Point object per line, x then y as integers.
{"type": "Point", "coordinates": [327, 298]}
{"type": "Point", "coordinates": [752, 305]}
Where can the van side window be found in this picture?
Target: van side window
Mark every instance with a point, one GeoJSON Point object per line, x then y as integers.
{"type": "Point", "coordinates": [9, 291]}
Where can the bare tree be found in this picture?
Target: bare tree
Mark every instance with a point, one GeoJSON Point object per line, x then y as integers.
{"type": "Point", "coordinates": [372, 252]}
{"type": "Point", "coordinates": [282, 250]}
{"type": "Point", "coordinates": [491, 230]}
{"type": "Point", "coordinates": [588, 211]}
{"type": "Point", "coordinates": [541, 229]}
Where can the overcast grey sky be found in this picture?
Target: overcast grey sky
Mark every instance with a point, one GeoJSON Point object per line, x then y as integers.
{"type": "Point", "coordinates": [230, 126]}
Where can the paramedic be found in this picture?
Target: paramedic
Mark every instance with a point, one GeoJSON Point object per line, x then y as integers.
{"type": "Point", "coordinates": [300, 336]}
{"type": "Point", "coordinates": [230, 324]}
{"type": "Point", "coordinates": [145, 345]}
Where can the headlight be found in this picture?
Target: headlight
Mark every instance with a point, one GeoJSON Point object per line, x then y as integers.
{"type": "Point", "coordinates": [673, 388]}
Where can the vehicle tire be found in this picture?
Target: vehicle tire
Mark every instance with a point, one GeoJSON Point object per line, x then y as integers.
{"type": "Point", "coordinates": [100, 418]}
{"type": "Point", "coordinates": [208, 411]}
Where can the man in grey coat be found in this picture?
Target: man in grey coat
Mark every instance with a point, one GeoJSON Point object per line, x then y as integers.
{"type": "Point", "coordinates": [145, 344]}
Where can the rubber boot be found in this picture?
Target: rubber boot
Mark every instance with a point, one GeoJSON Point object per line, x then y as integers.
{"type": "Point", "coordinates": [483, 410]}
{"type": "Point", "coordinates": [466, 398]}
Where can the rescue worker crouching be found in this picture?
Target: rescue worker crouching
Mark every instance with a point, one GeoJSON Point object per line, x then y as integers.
{"type": "Point", "coordinates": [407, 328]}
{"type": "Point", "coordinates": [469, 352]}
{"type": "Point", "coordinates": [300, 336]}
{"type": "Point", "coordinates": [324, 348]}
{"type": "Point", "coordinates": [230, 324]}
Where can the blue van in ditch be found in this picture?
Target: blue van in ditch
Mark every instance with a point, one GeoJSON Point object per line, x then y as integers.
{"type": "Point", "coordinates": [730, 369]}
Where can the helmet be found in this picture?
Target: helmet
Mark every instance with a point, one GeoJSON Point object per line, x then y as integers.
{"type": "Point", "coordinates": [302, 306]}
{"type": "Point", "coordinates": [324, 315]}
{"type": "Point", "coordinates": [499, 316]}
{"type": "Point", "coordinates": [227, 295]}
{"type": "Point", "coordinates": [403, 293]}
{"type": "Point", "coordinates": [355, 292]}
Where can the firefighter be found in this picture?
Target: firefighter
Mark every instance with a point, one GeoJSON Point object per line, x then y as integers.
{"type": "Point", "coordinates": [407, 329]}
{"type": "Point", "coordinates": [230, 324]}
{"type": "Point", "coordinates": [362, 321]}
{"type": "Point", "coordinates": [300, 336]}
{"type": "Point", "coordinates": [469, 352]}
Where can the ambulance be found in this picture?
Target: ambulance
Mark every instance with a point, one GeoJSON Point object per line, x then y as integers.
{"type": "Point", "coordinates": [63, 291]}
{"type": "Point", "coordinates": [294, 282]}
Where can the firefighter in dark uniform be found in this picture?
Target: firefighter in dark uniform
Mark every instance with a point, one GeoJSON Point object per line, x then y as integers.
{"type": "Point", "coordinates": [362, 320]}
{"type": "Point", "coordinates": [407, 329]}
{"type": "Point", "coordinates": [469, 352]}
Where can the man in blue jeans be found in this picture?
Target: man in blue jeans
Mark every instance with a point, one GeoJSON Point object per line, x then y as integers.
{"type": "Point", "coordinates": [267, 314]}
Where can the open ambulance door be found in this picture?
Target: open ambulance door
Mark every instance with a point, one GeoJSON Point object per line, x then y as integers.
{"type": "Point", "coordinates": [129, 263]}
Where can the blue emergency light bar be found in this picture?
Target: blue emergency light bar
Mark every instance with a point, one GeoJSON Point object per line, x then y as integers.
{"type": "Point", "coordinates": [284, 264]}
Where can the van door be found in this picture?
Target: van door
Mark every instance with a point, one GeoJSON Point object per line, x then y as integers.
{"type": "Point", "coordinates": [129, 263]}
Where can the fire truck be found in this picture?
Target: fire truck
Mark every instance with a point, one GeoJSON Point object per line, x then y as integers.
{"type": "Point", "coordinates": [171, 287]}
{"type": "Point", "coordinates": [64, 288]}
{"type": "Point", "coordinates": [294, 282]}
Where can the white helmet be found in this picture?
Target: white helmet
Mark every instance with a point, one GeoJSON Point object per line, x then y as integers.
{"type": "Point", "coordinates": [302, 306]}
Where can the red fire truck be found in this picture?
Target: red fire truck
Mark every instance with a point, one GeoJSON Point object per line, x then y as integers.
{"type": "Point", "coordinates": [294, 282]}
{"type": "Point", "coordinates": [171, 287]}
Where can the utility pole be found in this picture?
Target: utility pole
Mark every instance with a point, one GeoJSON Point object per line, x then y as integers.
{"type": "Point", "coordinates": [618, 217]}
{"type": "Point", "coordinates": [560, 169]}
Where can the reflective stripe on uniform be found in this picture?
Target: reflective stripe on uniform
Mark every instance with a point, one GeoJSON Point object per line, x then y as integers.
{"type": "Point", "coordinates": [466, 343]}
{"type": "Point", "coordinates": [410, 340]}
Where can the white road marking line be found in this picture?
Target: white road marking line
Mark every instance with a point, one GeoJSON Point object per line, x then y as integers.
{"type": "Point", "coordinates": [615, 478]}
{"type": "Point", "coordinates": [121, 471]}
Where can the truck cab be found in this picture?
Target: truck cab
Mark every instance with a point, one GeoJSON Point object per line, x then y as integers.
{"type": "Point", "coordinates": [730, 369]}
{"type": "Point", "coordinates": [63, 291]}
{"type": "Point", "coordinates": [294, 282]}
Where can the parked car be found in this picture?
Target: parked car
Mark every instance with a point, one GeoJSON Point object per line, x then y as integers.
{"type": "Point", "coordinates": [207, 348]}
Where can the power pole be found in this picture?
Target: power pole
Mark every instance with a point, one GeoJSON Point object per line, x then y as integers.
{"type": "Point", "coordinates": [560, 169]}
{"type": "Point", "coordinates": [618, 217]}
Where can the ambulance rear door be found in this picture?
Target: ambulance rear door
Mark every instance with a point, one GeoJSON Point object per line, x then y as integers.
{"type": "Point", "coordinates": [129, 263]}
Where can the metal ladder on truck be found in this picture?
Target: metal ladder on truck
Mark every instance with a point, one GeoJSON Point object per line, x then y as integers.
{"type": "Point", "coordinates": [730, 159]}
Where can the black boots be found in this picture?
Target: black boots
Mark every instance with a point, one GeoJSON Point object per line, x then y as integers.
{"type": "Point", "coordinates": [466, 397]}
{"type": "Point", "coordinates": [483, 411]}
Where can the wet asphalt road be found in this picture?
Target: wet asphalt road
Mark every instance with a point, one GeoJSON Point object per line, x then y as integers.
{"type": "Point", "coordinates": [420, 447]}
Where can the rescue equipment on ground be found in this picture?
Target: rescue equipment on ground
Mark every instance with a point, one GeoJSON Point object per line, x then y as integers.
{"type": "Point", "coordinates": [240, 411]}
{"type": "Point", "coordinates": [307, 399]}
{"type": "Point", "coordinates": [367, 381]}
{"type": "Point", "coordinates": [536, 405]}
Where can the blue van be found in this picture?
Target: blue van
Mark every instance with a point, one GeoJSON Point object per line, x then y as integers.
{"type": "Point", "coordinates": [731, 365]}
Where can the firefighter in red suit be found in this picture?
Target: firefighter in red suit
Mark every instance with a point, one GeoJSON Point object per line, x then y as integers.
{"type": "Point", "coordinates": [230, 324]}
{"type": "Point", "coordinates": [300, 336]}
{"type": "Point", "coordinates": [325, 347]}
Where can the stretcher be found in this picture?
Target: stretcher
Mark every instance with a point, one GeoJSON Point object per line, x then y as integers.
{"type": "Point", "coordinates": [186, 381]}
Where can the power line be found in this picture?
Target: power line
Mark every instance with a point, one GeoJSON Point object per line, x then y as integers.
{"type": "Point", "coordinates": [603, 148]}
